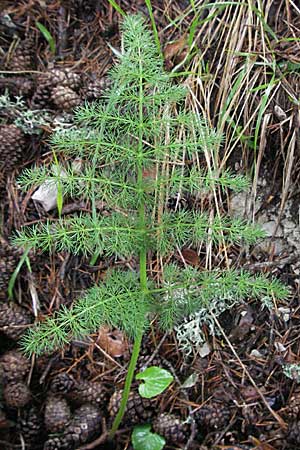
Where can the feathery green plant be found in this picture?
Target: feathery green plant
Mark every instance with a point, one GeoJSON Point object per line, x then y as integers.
{"type": "Point", "coordinates": [133, 149]}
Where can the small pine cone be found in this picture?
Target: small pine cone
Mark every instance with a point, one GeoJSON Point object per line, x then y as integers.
{"type": "Point", "coordinates": [293, 433]}
{"type": "Point", "coordinates": [57, 414]}
{"type": "Point", "coordinates": [57, 76]}
{"type": "Point", "coordinates": [96, 88]}
{"type": "Point", "coordinates": [17, 86]}
{"type": "Point", "coordinates": [213, 416]}
{"type": "Point", "coordinates": [30, 425]}
{"type": "Point", "coordinates": [13, 320]}
{"type": "Point", "coordinates": [87, 392]}
{"type": "Point", "coordinates": [292, 410]}
{"type": "Point", "coordinates": [14, 366]}
{"type": "Point", "coordinates": [171, 428]}
{"type": "Point", "coordinates": [138, 409]}
{"type": "Point", "coordinates": [65, 98]}
{"type": "Point", "coordinates": [274, 435]}
{"type": "Point", "coordinates": [22, 58]}
{"type": "Point", "coordinates": [41, 97]}
{"type": "Point", "coordinates": [62, 383]}
{"type": "Point", "coordinates": [86, 423]}
{"type": "Point", "coordinates": [16, 395]}
{"type": "Point", "coordinates": [59, 443]}
{"type": "Point", "coordinates": [12, 145]}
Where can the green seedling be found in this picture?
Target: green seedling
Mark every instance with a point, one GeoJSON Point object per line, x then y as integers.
{"type": "Point", "coordinates": [136, 148]}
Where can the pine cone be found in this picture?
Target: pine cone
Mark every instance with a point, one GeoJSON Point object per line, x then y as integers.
{"type": "Point", "coordinates": [293, 433]}
{"type": "Point", "coordinates": [87, 392]}
{"type": "Point", "coordinates": [171, 428]}
{"type": "Point", "coordinates": [292, 410]}
{"type": "Point", "coordinates": [12, 145]}
{"type": "Point", "coordinates": [16, 86]}
{"type": "Point", "coordinates": [57, 414]}
{"type": "Point", "coordinates": [16, 395]}
{"type": "Point", "coordinates": [13, 320]}
{"type": "Point", "coordinates": [138, 409]}
{"type": "Point", "coordinates": [213, 416]}
{"type": "Point", "coordinates": [14, 366]}
{"type": "Point", "coordinates": [41, 97]}
{"type": "Point", "coordinates": [22, 58]}
{"type": "Point", "coordinates": [58, 76]}
{"type": "Point", "coordinates": [85, 424]}
{"type": "Point", "coordinates": [65, 98]}
{"type": "Point", "coordinates": [59, 443]}
{"type": "Point", "coordinates": [96, 88]}
{"type": "Point", "coordinates": [30, 425]}
{"type": "Point", "coordinates": [62, 383]}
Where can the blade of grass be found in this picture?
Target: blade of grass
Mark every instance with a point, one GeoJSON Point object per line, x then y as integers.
{"type": "Point", "coordinates": [155, 32]}
{"type": "Point", "coordinates": [12, 281]}
{"type": "Point", "coordinates": [117, 7]}
{"type": "Point", "coordinates": [47, 35]}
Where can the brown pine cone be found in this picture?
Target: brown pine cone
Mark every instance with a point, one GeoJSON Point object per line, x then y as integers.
{"type": "Point", "coordinates": [12, 146]}
{"type": "Point", "coordinates": [65, 98]}
{"type": "Point", "coordinates": [13, 320]}
{"type": "Point", "coordinates": [171, 428]}
{"type": "Point", "coordinates": [16, 395]}
{"type": "Point", "coordinates": [58, 76]}
{"type": "Point", "coordinates": [17, 86]}
{"type": "Point", "coordinates": [22, 58]}
{"type": "Point", "coordinates": [292, 409]}
{"type": "Point", "coordinates": [213, 416]}
{"type": "Point", "coordinates": [41, 97]}
{"type": "Point", "coordinates": [138, 409]}
{"type": "Point", "coordinates": [62, 383]}
{"type": "Point", "coordinates": [59, 443]}
{"type": "Point", "coordinates": [86, 423]}
{"type": "Point", "coordinates": [30, 425]}
{"type": "Point", "coordinates": [14, 366]}
{"type": "Point", "coordinates": [57, 414]}
{"type": "Point", "coordinates": [59, 86]}
{"type": "Point", "coordinates": [293, 433]}
{"type": "Point", "coordinates": [96, 88]}
{"type": "Point", "coordinates": [87, 392]}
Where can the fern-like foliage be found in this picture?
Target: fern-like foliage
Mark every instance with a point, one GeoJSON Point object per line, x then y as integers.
{"type": "Point", "coordinates": [133, 132]}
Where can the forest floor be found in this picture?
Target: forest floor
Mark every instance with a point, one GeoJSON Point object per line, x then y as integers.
{"type": "Point", "coordinates": [238, 389]}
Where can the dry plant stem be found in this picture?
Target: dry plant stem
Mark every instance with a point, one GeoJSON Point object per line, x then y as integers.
{"type": "Point", "coordinates": [274, 414]}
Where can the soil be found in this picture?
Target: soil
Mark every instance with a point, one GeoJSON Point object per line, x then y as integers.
{"type": "Point", "coordinates": [238, 395]}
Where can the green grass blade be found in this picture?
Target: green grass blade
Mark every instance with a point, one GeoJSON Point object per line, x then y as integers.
{"type": "Point", "coordinates": [155, 32]}
{"type": "Point", "coordinates": [117, 7]}
{"type": "Point", "coordinates": [12, 281]}
{"type": "Point", "coordinates": [47, 35]}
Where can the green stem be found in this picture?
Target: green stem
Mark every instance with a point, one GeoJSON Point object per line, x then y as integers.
{"type": "Point", "coordinates": [128, 381]}
{"type": "Point", "coordinates": [143, 268]}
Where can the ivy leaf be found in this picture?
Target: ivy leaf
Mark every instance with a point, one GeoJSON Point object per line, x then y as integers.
{"type": "Point", "coordinates": [156, 381]}
{"type": "Point", "coordinates": [144, 439]}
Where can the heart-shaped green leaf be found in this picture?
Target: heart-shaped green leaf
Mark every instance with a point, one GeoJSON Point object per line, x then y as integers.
{"type": "Point", "coordinates": [143, 439]}
{"type": "Point", "coordinates": [156, 381]}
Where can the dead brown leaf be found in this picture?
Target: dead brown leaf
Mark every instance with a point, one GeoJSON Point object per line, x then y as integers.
{"type": "Point", "coordinates": [113, 342]}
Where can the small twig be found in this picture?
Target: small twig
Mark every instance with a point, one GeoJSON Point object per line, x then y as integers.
{"type": "Point", "coordinates": [158, 347]}
{"type": "Point", "coordinates": [274, 414]}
